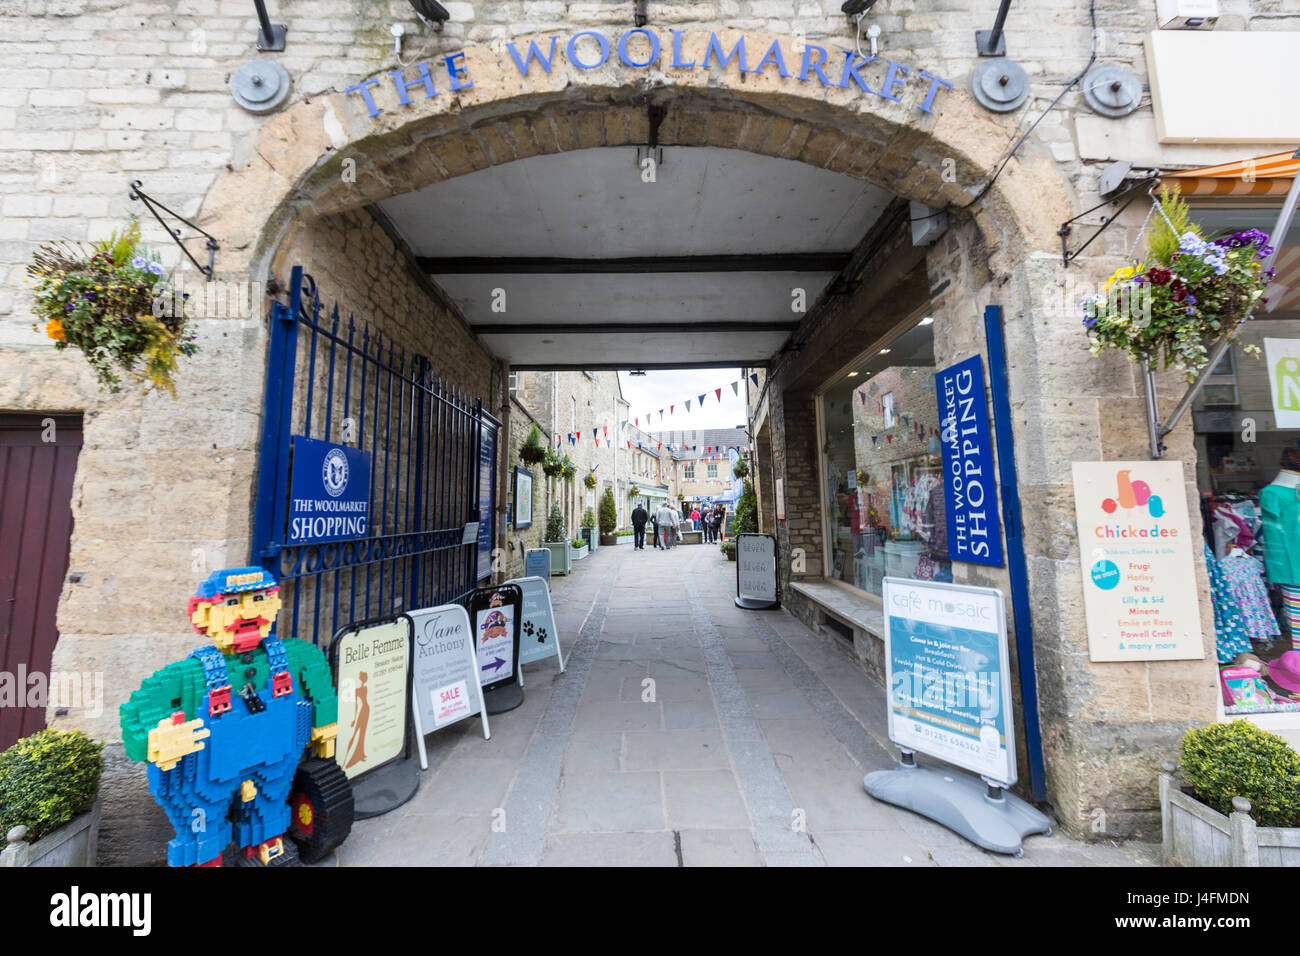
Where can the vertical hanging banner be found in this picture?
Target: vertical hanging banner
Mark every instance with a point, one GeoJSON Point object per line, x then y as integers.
{"type": "Point", "coordinates": [1139, 580]}
{"type": "Point", "coordinates": [487, 494]}
{"type": "Point", "coordinates": [969, 476]}
{"type": "Point", "coordinates": [444, 673]}
{"type": "Point", "coordinates": [372, 669]}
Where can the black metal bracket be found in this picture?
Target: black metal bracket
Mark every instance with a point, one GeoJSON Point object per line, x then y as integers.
{"type": "Point", "coordinates": [1125, 199]}
{"type": "Point", "coordinates": [154, 205]}
{"type": "Point", "coordinates": [270, 36]}
{"type": "Point", "coordinates": [641, 16]}
{"type": "Point", "coordinates": [994, 42]}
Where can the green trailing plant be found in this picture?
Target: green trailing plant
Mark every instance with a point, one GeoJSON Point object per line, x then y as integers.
{"type": "Point", "coordinates": [746, 511]}
{"type": "Point", "coordinates": [110, 300]}
{"type": "Point", "coordinates": [555, 530]}
{"type": "Point", "coordinates": [531, 451]}
{"type": "Point", "coordinates": [1164, 238]}
{"type": "Point", "coordinates": [739, 469]}
{"type": "Point", "coordinates": [589, 479]}
{"type": "Point", "coordinates": [1238, 759]}
{"type": "Point", "coordinates": [47, 779]}
{"type": "Point", "coordinates": [552, 464]}
{"type": "Point", "coordinates": [608, 512]}
{"type": "Point", "coordinates": [570, 470]}
{"type": "Point", "coordinates": [588, 519]}
{"type": "Point", "coordinates": [633, 491]}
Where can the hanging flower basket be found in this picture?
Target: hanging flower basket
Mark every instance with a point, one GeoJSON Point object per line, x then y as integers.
{"type": "Point", "coordinates": [1167, 310]}
{"type": "Point", "coordinates": [104, 301]}
{"type": "Point", "coordinates": [570, 470]}
{"type": "Point", "coordinates": [589, 480]}
{"type": "Point", "coordinates": [552, 465]}
{"type": "Point", "coordinates": [739, 469]}
{"type": "Point", "coordinates": [531, 451]}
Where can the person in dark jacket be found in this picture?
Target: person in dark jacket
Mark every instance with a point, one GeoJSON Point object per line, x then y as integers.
{"type": "Point", "coordinates": [639, 517]}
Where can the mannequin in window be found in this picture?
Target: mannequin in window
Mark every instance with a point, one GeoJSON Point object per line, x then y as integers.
{"type": "Point", "coordinates": [1280, 503]}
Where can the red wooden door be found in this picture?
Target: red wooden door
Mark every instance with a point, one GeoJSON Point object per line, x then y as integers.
{"type": "Point", "coordinates": [38, 460]}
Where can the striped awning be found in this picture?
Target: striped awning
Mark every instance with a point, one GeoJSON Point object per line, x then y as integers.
{"type": "Point", "coordinates": [1258, 177]}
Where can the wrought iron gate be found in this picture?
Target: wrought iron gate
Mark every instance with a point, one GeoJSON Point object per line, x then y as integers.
{"type": "Point", "coordinates": [342, 382]}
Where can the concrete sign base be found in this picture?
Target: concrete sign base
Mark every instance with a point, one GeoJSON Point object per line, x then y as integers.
{"type": "Point", "coordinates": [385, 789]}
{"type": "Point", "coordinates": [988, 817]}
{"type": "Point", "coordinates": [503, 697]}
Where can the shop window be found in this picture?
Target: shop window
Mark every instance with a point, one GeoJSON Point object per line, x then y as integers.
{"type": "Point", "coordinates": [688, 472]}
{"type": "Point", "coordinates": [882, 467]}
{"type": "Point", "coordinates": [1248, 475]}
{"type": "Point", "coordinates": [713, 470]}
{"type": "Point", "coordinates": [514, 384]}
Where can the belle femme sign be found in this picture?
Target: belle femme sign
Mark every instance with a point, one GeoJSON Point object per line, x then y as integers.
{"type": "Point", "coordinates": [647, 51]}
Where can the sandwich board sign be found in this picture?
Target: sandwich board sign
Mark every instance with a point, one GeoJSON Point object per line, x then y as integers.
{"type": "Point", "coordinates": [444, 673]}
{"type": "Point", "coordinates": [537, 563]}
{"type": "Point", "coordinates": [496, 616]}
{"type": "Point", "coordinates": [538, 638]}
{"type": "Point", "coordinates": [948, 678]}
{"type": "Point", "coordinates": [756, 571]}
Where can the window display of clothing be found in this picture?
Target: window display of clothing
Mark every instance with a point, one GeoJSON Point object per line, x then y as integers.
{"type": "Point", "coordinates": [1231, 635]}
{"type": "Point", "coordinates": [1244, 576]}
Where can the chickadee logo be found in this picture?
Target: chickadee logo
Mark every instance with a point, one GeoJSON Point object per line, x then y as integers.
{"type": "Point", "coordinates": [1133, 494]}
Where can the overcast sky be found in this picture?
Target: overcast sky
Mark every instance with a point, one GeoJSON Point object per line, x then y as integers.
{"type": "Point", "coordinates": [655, 390]}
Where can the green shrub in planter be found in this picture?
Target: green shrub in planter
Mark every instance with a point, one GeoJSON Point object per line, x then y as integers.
{"type": "Point", "coordinates": [555, 524]}
{"type": "Point", "coordinates": [1238, 759]}
{"type": "Point", "coordinates": [47, 779]}
{"type": "Point", "coordinates": [729, 549]}
{"type": "Point", "coordinates": [589, 519]}
{"type": "Point", "coordinates": [578, 543]}
{"type": "Point", "coordinates": [608, 512]}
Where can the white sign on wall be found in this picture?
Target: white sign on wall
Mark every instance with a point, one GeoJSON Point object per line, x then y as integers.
{"type": "Point", "coordinates": [1139, 580]}
{"type": "Point", "coordinates": [1282, 356]}
{"type": "Point", "coordinates": [780, 498]}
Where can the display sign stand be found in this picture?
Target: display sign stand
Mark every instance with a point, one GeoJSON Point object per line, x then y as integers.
{"type": "Point", "coordinates": [539, 638]}
{"type": "Point", "coordinates": [948, 679]}
{"type": "Point", "coordinates": [389, 776]}
{"type": "Point", "coordinates": [445, 681]}
{"type": "Point", "coordinates": [978, 809]}
{"type": "Point", "coordinates": [756, 572]}
{"type": "Point", "coordinates": [496, 614]}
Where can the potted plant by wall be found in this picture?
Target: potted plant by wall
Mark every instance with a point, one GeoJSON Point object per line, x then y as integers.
{"type": "Point", "coordinates": [633, 491]}
{"type": "Point", "coordinates": [589, 480]}
{"type": "Point", "coordinates": [557, 541]}
{"type": "Point", "coordinates": [608, 517]}
{"type": "Point", "coordinates": [531, 452]}
{"type": "Point", "coordinates": [110, 301]}
{"type": "Point", "coordinates": [587, 530]}
{"type": "Point", "coordinates": [49, 800]}
{"type": "Point", "coordinates": [568, 469]}
{"type": "Point", "coordinates": [579, 548]}
{"type": "Point", "coordinates": [1238, 801]}
{"type": "Point", "coordinates": [1166, 310]}
{"type": "Point", "coordinates": [739, 469]}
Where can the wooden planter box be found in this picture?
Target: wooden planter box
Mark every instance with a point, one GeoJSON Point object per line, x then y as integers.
{"type": "Point", "coordinates": [609, 540]}
{"type": "Point", "coordinates": [1197, 835]}
{"type": "Point", "coordinates": [73, 844]}
{"type": "Point", "coordinates": [561, 556]}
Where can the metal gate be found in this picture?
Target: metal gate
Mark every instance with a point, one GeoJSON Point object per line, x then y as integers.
{"type": "Point", "coordinates": [339, 381]}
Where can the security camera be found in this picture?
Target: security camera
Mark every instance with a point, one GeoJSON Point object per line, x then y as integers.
{"type": "Point", "coordinates": [856, 8]}
{"type": "Point", "coordinates": [435, 12]}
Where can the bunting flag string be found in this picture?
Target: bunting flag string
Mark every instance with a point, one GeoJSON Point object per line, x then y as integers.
{"type": "Point", "coordinates": [735, 388]}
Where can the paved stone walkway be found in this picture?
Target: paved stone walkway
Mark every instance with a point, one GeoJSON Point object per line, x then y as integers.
{"type": "Point", "coordinates": [684, 731]}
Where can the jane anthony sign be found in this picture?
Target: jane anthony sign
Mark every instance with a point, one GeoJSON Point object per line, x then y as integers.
{"type": "Point", "coordinates": [645, 49]}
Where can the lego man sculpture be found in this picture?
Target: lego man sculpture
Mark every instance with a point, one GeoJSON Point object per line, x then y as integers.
{"type": "Point", "coordinates": [224, 729]}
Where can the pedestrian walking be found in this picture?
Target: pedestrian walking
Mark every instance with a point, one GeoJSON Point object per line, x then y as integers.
{"type": "Point", "coordinates": [654, 529]}
{"type": "Point", "coordinates": [695, 519]}
{"type": "Point", "coordinates": [639, 517]}
{"type": "Point", "coordinates": [666, 522]}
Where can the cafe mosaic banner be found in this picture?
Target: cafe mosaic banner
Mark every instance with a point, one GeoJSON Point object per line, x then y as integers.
{"type": "Point", "coordinates": [1136, 549]}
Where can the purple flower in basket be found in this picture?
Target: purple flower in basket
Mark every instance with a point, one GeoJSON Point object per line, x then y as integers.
{"type": "Point", "coordinates": [89, 295]}
{"type": "Point", "coordinates": [156, 268]}
{"type": "Point", "coordinates": [139, 262]}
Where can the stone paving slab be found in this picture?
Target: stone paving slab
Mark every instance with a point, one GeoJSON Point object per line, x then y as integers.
{"type": "Point", "coordinates": [750, 751]}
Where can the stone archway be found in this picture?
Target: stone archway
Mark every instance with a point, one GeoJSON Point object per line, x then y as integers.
{"type": "Point", "coordinates": [330, 154]}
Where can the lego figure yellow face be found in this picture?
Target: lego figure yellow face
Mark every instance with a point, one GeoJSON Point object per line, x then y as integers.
{"type": "Point", "coordinates": [236, 608]}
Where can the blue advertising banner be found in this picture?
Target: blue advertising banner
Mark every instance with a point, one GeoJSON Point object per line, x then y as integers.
{"type": "Point", "coordinates": [537, 563]}
{"type": "Point", "coordinates": [487, 495]}
{"type": "Point", "coordinates": [329, 493]}
{"type": "Point", "coordinates": [970, 494]}
{"type": "Point", "coordinates": [948, 675]}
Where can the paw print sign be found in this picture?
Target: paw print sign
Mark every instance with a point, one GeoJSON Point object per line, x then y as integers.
{"type": "Point", "coordinates": [539, 638]}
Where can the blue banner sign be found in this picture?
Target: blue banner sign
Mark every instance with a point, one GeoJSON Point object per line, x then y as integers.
{"type": "Point", "coordinates": [537, 563]}
{"type": "Point", "coordinates": [970, 494]}
{"type": "Point", "coordinates": [329, 495]}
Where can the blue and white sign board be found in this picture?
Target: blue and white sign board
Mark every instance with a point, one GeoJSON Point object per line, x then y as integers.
{"type": "Point", "coordinates": [329, 493]}
{"type": "Point", "coordinates": [538, 637]}
{"type": "Point", "coordinates": [948, 675]}
{"type": "Point", "coordinates": [445, 684]}
{"type": "Point", "coordinates": [537, 563]}
{"type": "Point", "coordinates": [970, 493]}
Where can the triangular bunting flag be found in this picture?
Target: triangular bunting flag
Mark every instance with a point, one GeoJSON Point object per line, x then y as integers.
{"type": "Point", "coordinates": [670, 409]}
{"type": "Point", "coordinates": [688, 404]}
{"type": "Point", "coordinates": [597, 442]}
{"type": "Point", "coordinates": [718, 392]}
{"type": "Point", "coordinates": [702, 398]}
{"type": "Point", "coordinates": [606, 428]}
{"type": "Point", "coordinates": [735, 388]}
{"type": "Point", "coordinates": [753, 377]}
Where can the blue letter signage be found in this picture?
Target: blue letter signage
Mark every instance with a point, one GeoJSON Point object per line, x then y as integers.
{"type": "Point", "coordinates": [970, 493]}
{"type": "Point", "coordinates": [329, 494]}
